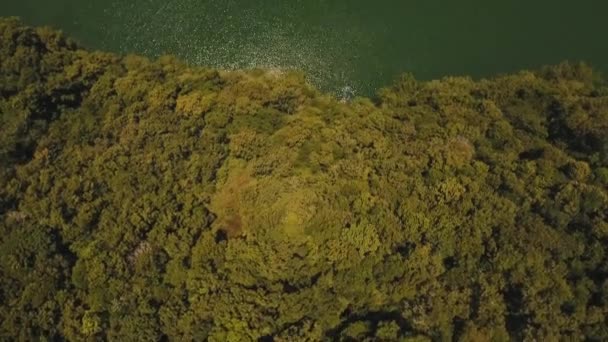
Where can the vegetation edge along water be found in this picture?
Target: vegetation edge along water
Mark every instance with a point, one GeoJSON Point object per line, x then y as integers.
{"type": "Point", "coordinates": [150, 200]}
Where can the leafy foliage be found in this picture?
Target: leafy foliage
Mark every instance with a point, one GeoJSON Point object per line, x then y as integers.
{"type": "Point", "coordinates": [150, 200]}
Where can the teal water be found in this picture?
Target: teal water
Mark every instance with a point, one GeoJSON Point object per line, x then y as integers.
{"type": "Point", "coordinates": [341, 43]}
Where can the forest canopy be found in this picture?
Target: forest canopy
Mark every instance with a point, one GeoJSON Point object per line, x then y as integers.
{"type": "Point", "coordinates": [147, 200]}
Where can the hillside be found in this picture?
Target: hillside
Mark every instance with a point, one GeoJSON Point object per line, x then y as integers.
{"type": "Point", "coordinates": [151, 200]}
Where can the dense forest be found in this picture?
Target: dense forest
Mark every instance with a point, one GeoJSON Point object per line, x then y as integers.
{"type": "Point", "coordinates": [150, 200]}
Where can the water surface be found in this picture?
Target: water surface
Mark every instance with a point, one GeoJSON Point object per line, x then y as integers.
{"type": "Point", "coordinates": [340, 43]}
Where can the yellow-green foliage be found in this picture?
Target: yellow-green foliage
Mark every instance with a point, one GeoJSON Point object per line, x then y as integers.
{"type": "Point", "coordinates": [150, 200]}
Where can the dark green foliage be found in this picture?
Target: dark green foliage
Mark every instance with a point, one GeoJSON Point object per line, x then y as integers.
{"type": "Point", "coordinates": [149, 200]}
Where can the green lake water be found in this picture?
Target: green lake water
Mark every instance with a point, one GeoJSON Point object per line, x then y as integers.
{"type": "Point", "coordinates": [340, 44]}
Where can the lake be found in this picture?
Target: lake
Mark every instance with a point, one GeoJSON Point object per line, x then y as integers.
{"type": "Point", "coordinates": [340, 44]}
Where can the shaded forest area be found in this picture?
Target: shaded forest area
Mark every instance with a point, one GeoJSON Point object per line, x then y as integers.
{"type": "Point", "coordinates": [151, 200]}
